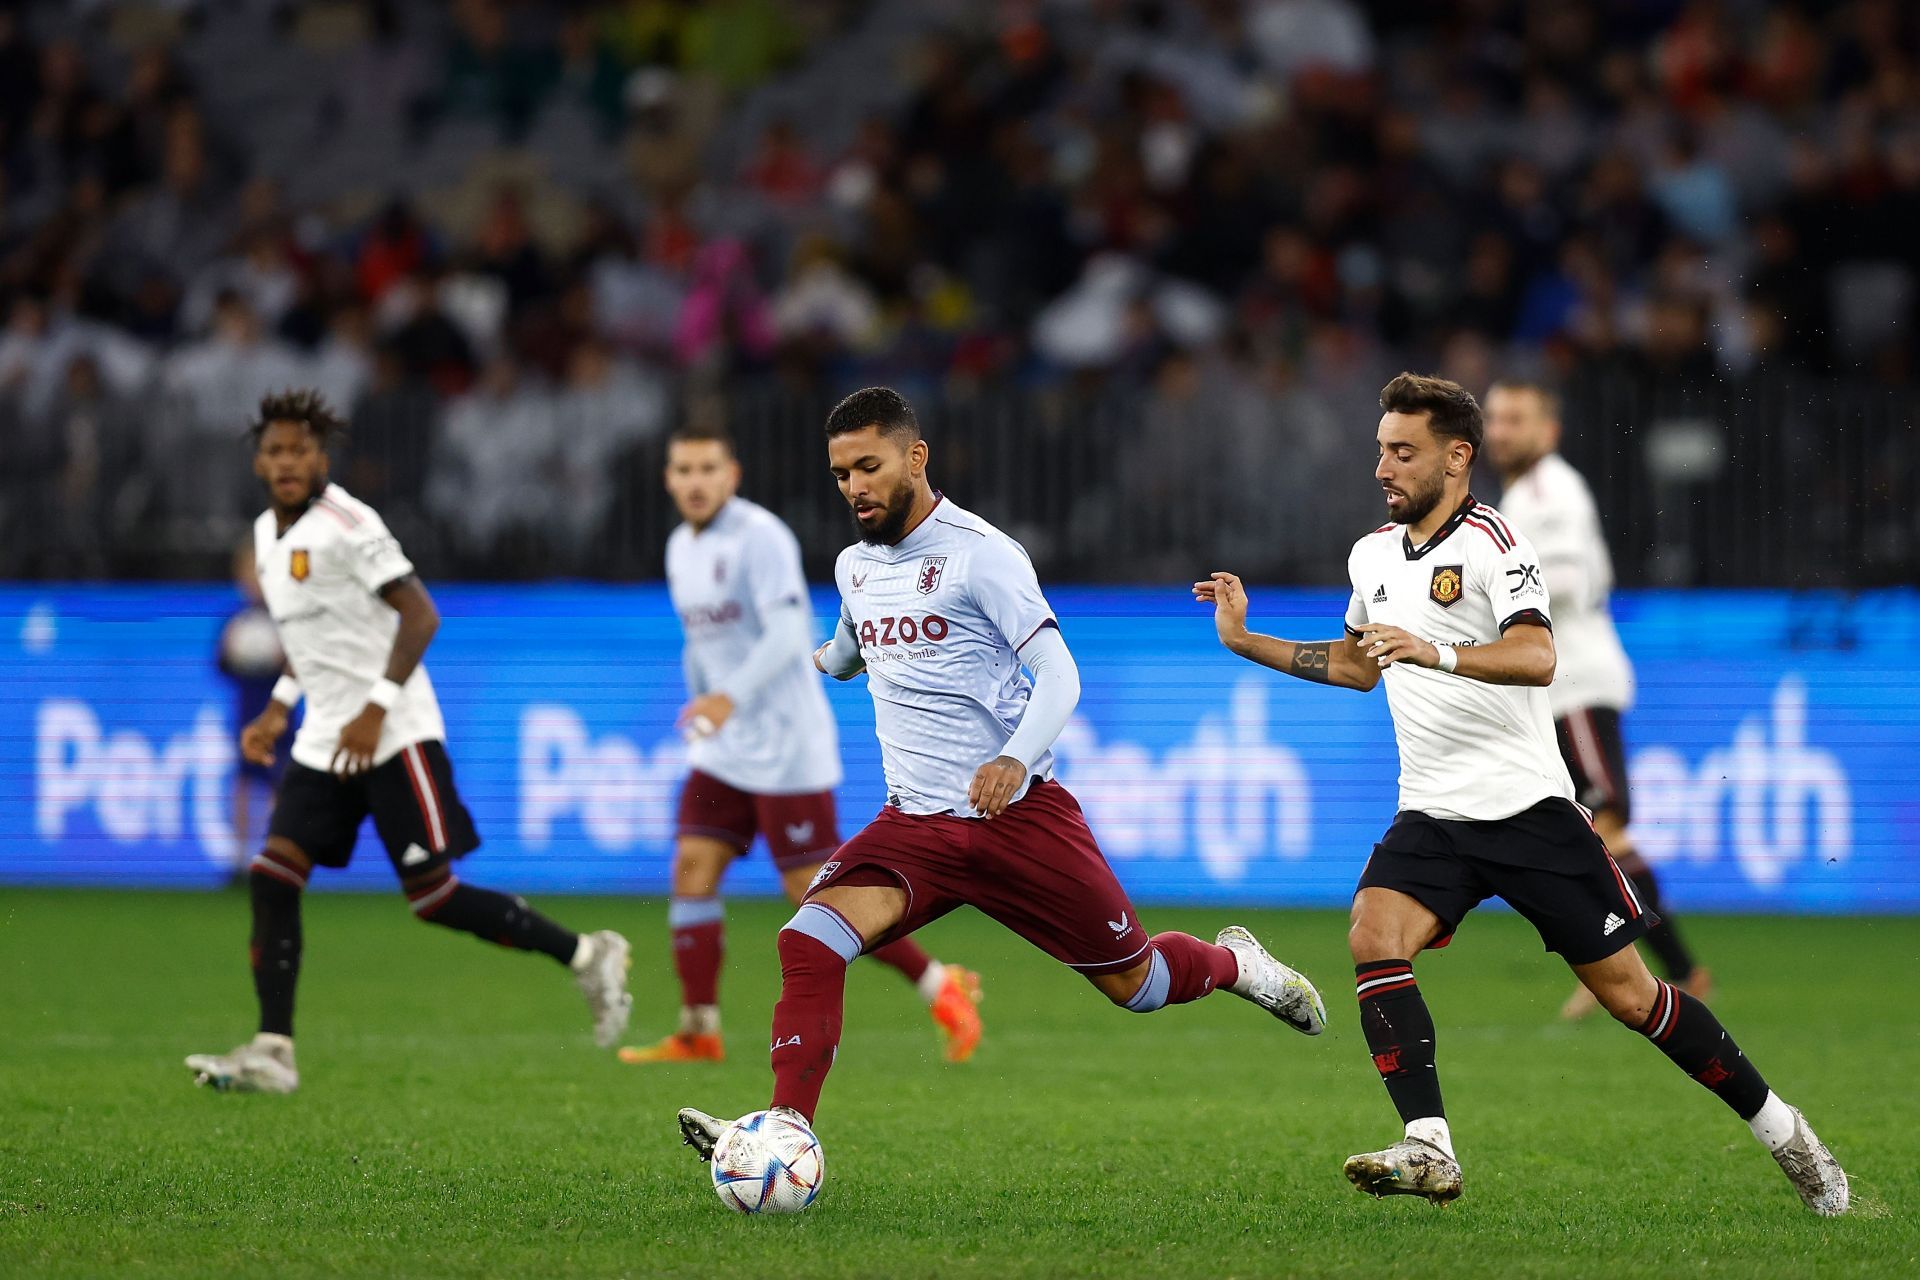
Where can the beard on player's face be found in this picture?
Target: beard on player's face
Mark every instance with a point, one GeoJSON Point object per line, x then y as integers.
{"type": "Point", "coordinates": [1420, 497]}
{"type": "Point", "coordinates": [888, 517]}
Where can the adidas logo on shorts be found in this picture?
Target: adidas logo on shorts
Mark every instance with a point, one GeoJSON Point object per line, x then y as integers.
{"type": "Point", "coordinates": [1613, 922]}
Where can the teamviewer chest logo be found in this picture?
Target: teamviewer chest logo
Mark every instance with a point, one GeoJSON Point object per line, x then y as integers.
{"type": "Point", "coordinates": [928, 581]}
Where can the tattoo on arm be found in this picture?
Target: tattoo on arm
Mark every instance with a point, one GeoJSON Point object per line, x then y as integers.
{"type": "Point", "coordinates": [1310, 661]}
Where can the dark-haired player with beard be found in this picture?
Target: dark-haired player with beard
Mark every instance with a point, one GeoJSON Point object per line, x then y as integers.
{"type": "Point", "coordinates": [944, 614]}
{"type": "Point", "coordinates": [1547, 500]}
{"type": "Point", "coordinates": [1449, 609]}
{"type": "Point", "coordinates": [764, 749]}
{"type": "Point", "coordinates": [354, 621]}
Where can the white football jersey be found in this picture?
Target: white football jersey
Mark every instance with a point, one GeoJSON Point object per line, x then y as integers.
{"type": "Point", "coordinates": [321, 580]}
{"type": "Point", "coordinates": [1553, 507]}
{"type": "Point", "coordinates": [723, 579]}
{"type": "Point", "coordinates": [940, 618]}
{"type": "Point", "coordinates": [1468, 750]}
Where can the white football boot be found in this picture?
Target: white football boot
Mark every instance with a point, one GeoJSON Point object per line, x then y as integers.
{"type": "Point", "coordinates": [1813, 1171]}
{"type": "Point", "coordinates": [262, 1065]}
{"type": "Point", "coordinates": [702, 1131]}
{"type": "Point", "coordinates": [1285, 994]}
{"type": "Point", "coordinates": [603, 981]}
{"type": "Point", "coordinates": [1410, 1167]}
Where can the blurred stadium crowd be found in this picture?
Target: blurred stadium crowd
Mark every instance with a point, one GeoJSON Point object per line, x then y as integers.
{"type": "Point", "coordinates": [1145, 262]}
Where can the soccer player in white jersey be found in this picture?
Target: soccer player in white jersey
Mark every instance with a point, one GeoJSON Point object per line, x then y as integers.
{"type": "Point", "coordinates": [1546, 500]}
{"type": "Point", "coordinates": [1448, 608]}
{"type": "Point", "coordinates": [354, 621]}
{"type": "Point", "coordinates": [942, 611]}
{"type": "Point", "coordinates": [765, 753]}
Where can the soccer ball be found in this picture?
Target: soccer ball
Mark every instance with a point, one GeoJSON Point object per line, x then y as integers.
{"type": "Point", "coordinates": [766, 1163]}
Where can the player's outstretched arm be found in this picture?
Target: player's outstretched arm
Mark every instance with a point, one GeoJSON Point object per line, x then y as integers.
{"type": "Point", "coordinates": [1337, 662]}
{"type": "Point", "coordinates": [1522, 656]}
{"type": "Point", "coordinates": [840, 656]}
{"type": "Point", "coordinates": [1056, 692]}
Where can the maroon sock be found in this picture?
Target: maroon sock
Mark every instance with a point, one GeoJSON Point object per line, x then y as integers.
{"type": "Point", "coordinates": [699, 944]}
{"type": "Point", "coordinates": [906, 955]}
{"type": "Point", "coordinates": [806, 1021]}
{"type": "Point", "coordinates": [1194, 968]}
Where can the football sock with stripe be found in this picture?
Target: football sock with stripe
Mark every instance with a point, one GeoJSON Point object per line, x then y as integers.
{"type": "Point", "coordinates": [493, 917]}
{"type": "Point", "coordinates": [1399, 1031]}
{"type": "Point", "coordinates": [1687, 1032]}
{"type": "Point", "coordinates": [699, 928]}
{"type": "Point", "coordinates": [1664, 938]}
{"type": "Point", "coordinates": [816, 946]}
{"type": "Point", "coordinates": [1181, 968]}
{"type": "Point", "coordinates": [274, 947]}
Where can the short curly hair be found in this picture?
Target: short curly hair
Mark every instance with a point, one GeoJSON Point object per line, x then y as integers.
{"type": "Point", "coordinates": [881, 407]}
{"type": "Point", "coordinates": [303, 405]}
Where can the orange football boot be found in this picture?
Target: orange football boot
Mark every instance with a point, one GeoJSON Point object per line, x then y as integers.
{"type": "Point", "coordinates": [679, 1047]}
{"type": "Point", "coordinates": [956, 1011]}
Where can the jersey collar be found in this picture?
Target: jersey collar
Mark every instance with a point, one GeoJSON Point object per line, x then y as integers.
{"type": "Point", "coordinates": [1441, 534]}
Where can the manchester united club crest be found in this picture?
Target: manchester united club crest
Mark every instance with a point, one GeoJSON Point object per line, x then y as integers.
{"type": "Point", "coordinates": [1446, 585]}
{"type": "Point", "coordinates": [299, 564]}
{"type": "Point", "coordinates": [931, 567]}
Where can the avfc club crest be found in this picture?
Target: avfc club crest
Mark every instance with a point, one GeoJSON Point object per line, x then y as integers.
{"type": "Point", "coordinates": [1446, 588]}
{"type": "Point", "coordinates": [299, 564]}
{"type": "Point", "coordinates": [931, 567]}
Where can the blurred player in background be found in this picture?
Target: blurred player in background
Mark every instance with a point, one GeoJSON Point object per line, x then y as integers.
{"type": "Point", "coordinates": [1449, 609]}
{"type": "Point", "coordinates": [251, 659]}
{"type": "Point", "coordinates": [765, 753]}
{"type": "Point", "coordinates": [942, 611]}
{"type": "Point", "coordinates": [355, 622]}
{"type": "Point", "coordinates": [1548, 502]}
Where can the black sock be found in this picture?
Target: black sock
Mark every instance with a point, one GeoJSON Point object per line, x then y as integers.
{"type": "Point", "coordinates": [1399, 1033]}
{"type": "Point", "coordinates": [494, 917]}
{"type": "Point", "coordinates": [1686, 1031]}
{"type": "Point", "coordinates": [1664, 938]}
{"type": "Point", "coordinates": [274, 948]}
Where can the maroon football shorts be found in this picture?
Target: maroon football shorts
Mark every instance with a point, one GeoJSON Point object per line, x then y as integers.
{"type": "Point", "coordinates": [801, 830]}
{"type": "Point", "coordinates": [1036, 869]}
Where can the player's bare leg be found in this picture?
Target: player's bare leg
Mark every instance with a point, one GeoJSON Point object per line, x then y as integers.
{"type": "Point", "coordinates": [1389, 928]}
{"type": "Point", "coordinates": [826, 934]}
{"type": "Point", "coordinates": [1663, 940]}
{"type": "Point", "coordinates": [952, 994]}
{"type": "Point", "coordinates": [276, 880]}
{"type": "Point", "coordinates": [697, 919]}
{"type": "Point", "coordinates": [1687, 1032]}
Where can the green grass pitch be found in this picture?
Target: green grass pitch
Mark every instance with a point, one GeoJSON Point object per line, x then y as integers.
{"type": "Point", "coordinates": [455, 1119]}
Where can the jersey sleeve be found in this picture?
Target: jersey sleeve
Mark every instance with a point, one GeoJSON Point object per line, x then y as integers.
{"type": "Point", "coordinates": [1356, 614]}
{"type": "Point", "coordinates": [373, 554]}
{"type": "Point", "coordinates": [1003, 587]}
{"type": "Point", "coordinates": [774, 575]}
{"type": "Point", "coordinates": [1507, 569]}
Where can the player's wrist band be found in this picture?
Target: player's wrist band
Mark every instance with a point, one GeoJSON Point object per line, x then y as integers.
{"type": "Point", "coordinates": [286, 691]}
{"type": "Point", "coordinates": [384, 693]}
{"type": "Point", "coordinates": [1449, 659]}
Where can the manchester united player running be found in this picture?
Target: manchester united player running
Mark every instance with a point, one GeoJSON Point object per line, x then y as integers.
{"type": "Point", "coordinates": [354, 621]}
{"type": "Point", "coordinates": [942, 611]}
{"type": "Point", "coordinates": [766, 756]}
{"type": "Point", "coordinates": [1545, 499]}
{"type": "Point", "coordinates": [1449, 609]}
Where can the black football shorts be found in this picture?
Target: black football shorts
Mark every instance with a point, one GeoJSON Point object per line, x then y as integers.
{"type": "Point", "coordinates": [411, 798]}
{"type": "Point", "coordinates": [1545, 861]}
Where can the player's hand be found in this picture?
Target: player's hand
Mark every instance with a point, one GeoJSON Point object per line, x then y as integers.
{"type": "Point", "coordinates": [358, 741]}
{"type": "Point", "coordinates": [263, 734]}
{"type": "Point", "coordinates": [995, 784]}
{"type": "Point", "coordinates": [1388, 645]}
{"type": "Point", "coordinates": [704, 716]}
{"type": "Point", "coordinates": [1229, 600]}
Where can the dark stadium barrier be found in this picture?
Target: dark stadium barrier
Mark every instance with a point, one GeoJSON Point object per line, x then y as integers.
{"type": "Point", "coordinates": [1771, 750]}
